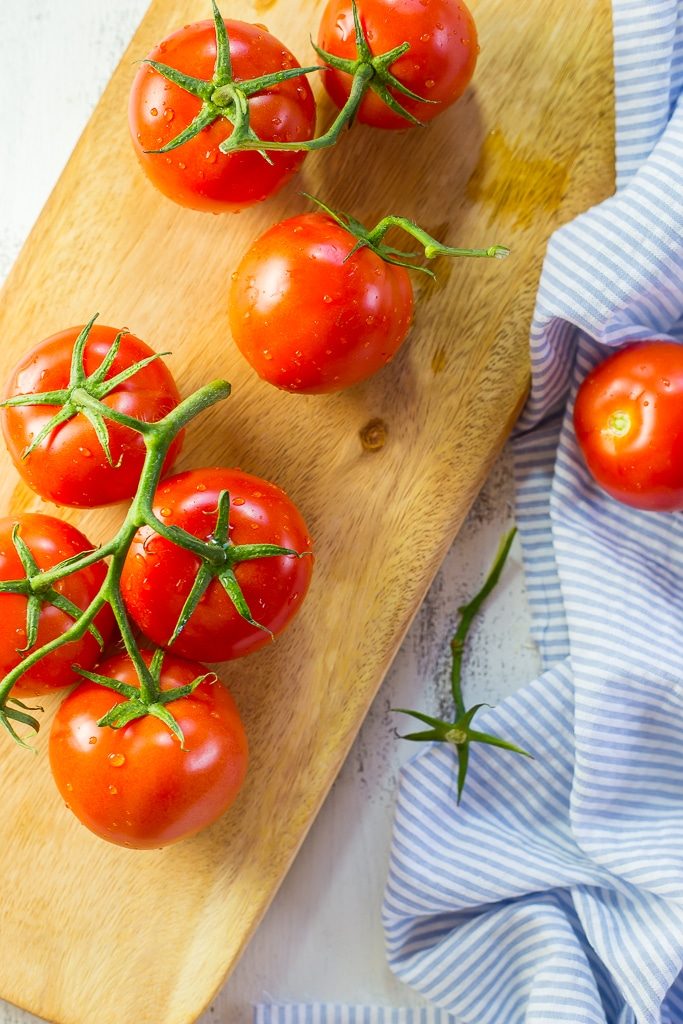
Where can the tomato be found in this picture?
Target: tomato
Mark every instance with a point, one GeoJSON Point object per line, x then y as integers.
{"type": "Point", "coordinates": [308, 319]}
{"type": "Point", "coordinates": [438, 66]}
{"type": "Point", "coordinates": [197, 174]}
{"type": "Point", "coordinates": [136, 786]}
{"type": "Point", "coordinates": [49, 542]}
{"type": "Point", "coordinates": [70, 466]}
{"type": "Point", "coordinates": [158, 575]}
{"type": "Point", "coordinates": [629, 423]}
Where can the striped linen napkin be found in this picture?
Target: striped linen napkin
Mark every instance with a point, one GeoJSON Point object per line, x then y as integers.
{"type": "Point", "coordinates": [554, 893]}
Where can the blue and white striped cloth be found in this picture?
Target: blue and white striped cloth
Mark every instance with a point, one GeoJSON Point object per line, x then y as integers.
{"type": "Point", "coordinates": [554, 893]}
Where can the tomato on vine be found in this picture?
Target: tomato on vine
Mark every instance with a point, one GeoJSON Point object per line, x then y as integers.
{"type": "Point", "coordinates": [30, 544]}
{"type": "Point", "coordinates": [423, 54]}
{"type": "Point", "coordinates": [628, 418]}
{"type": "Point", "coordinates": [205, 88]}
{"type": "Point", "coordinates": [138, 785]}
{"type": "Point", "coordinates": [319, 303]}
{"type": "Point", "coordinates": [54, 425]}
{"type": "Point", "coordinates": [250, 585]}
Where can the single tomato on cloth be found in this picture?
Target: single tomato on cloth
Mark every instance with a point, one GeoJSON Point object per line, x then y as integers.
{"type": "Point", "coordinates": [33, 543]}
{"type": "Point", "coordinates": [137, 786]}
{"type": "Point", "coordinates": [163, 113]}
{"type": "Point", "coordinates": [57, 450]}
{"type": "Point", "coordinates": [437, 68]}
{"type": "Point", "coordinates": [313, 316]}
{"type": "Point", "coordinates": [160, 578]}
{"type": "Point", "coordinates": [628, 418]}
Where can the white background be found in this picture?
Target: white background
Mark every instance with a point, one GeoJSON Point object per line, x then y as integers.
{"type": "Point", "coordinates": [322, 938]}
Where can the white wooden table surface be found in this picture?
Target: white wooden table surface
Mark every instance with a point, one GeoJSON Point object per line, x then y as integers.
{"type": "Point", "coordinates": [322, 938]}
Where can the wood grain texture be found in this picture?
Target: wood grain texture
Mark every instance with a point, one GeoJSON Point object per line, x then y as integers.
{"type": "Point", "coordinates": [89, 931]}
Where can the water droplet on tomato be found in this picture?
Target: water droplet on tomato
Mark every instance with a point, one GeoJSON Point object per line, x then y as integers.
{"type": "Point", "coordinates": [165, 512]}
{"type": "Point", "coordinates": [169, 114]}
{"type": "Point", "coordinates": [70, 787]}
{"type": "Point", "coordinates": [211, 155]}
{"type": "Point", "coordinates": [430, 83]}
{"type": "Point", "coordinates": [140, 559]}
{"type": "Point", "coordinates": [92, 741]}
{"type": "Point", "coordinates": [238, 501]}
{"type": "Point", "coordinates": [181, 165]}
{"type": "Point", "coordinates": [425, 37]}
{"type": "Point", "coordinates": [267, 355]}
{"type": "Point", "coordinates": [154, 112]}
{"type": "Point", "coordinates": [85, 452]}
{"type": "Point", "coordinates": [327, 299]}
{"type": "Point", "coordinates": [113, 790]}
{"type": "Point", "coordinates": [201, 487]}
{"type": "Point", "coordinates": [117, 760]}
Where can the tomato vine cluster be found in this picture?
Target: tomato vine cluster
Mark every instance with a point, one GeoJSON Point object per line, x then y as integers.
{"type": "Point", "coordinates": [149, 748]}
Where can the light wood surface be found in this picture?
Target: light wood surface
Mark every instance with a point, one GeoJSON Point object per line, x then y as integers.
{"type": "Point", "coordinates": [91, 932]}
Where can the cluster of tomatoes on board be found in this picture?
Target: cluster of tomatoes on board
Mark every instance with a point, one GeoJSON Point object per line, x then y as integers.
{"type": "Point", "coordinates": [208, 564]}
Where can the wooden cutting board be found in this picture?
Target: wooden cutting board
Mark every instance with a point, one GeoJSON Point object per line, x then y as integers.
{"type": "Point", "coordinates": [90, 932]}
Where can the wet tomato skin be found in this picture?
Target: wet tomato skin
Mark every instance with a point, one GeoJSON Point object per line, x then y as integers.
{"type": "Point", "coordinates": [70, 466]}
{"type": "Point", "coordinates": [50, 541]}
{"type": "Point", "coordinates": [197, 174]}
{"type": "Point", "coordinates": [135, 786]}
{"type": "Point", "coordinates": [439, 65]}
{"type": "Point", "coordinates": [158, 575]}
{"type": "Point", "coordinates": [308, 318]}
{"type": "Point", "coordinates": [628, 419]}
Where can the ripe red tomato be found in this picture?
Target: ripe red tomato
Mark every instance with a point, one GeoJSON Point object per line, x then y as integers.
{"type": "Point", "coordinates": [308, 319]}
{"type": "Point", "coordinates": [49, 541]}
{"type": "Point", "coordinates": [158, 575]}
{"type": "Point", "coordinates": [629, 423]}
{"type": "Point", "coordinates": [70, 467]}
{"type": "Point", "coordinates": [136, 786]}
{"type": "Point", "coordinates": [438, 66]}
{"type": "Point", "coordinates": [197, 174]}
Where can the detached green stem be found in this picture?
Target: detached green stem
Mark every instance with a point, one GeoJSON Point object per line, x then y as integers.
{"type": "Point", "coordinates": [460, 734]}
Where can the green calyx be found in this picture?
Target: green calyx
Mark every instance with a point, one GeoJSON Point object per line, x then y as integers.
{"type": "Point", "coordinates": [374, 240]}
{"type": "Point", "coordinates": [221, 567]}
{"type": "Point", "coordinates": [375, 70]}
{"type": "Point", "coordinates": [459, 734]}
{"type": "Point", "coordinates": [37, 594]}
{"type": "Point", "coordinates": [224, 97]}
{"type": "Point", "coordinates": [149, 699]}
{"type": "Point", "coordinates": [84, 394]}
